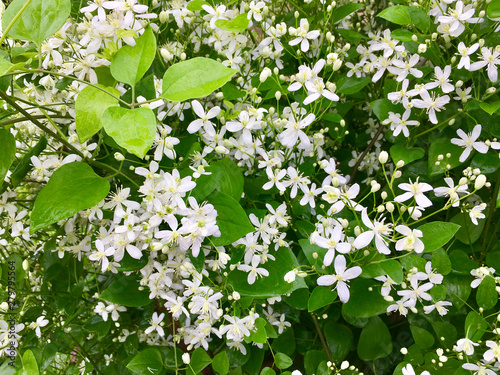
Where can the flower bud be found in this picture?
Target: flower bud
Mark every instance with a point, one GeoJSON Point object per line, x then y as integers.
{"type": "Point", "coordinates": [265, 74]}
{"type": "Point", "coordinates": [236, 295]}
{"type": "Point", "coordinates": [186, 358]}
{"type": "Point", "coordinates": [422, 48]}
{"type": "Point", "coordinates": [382, 157]}
{"type": "Point", "coordinates": [389, 206]}
{"type": "Point", "coordinates": [375, 187]}
{"type": "Point", "coordinates": [357, 230]}
{"type": "Point", "coordinates": [164, 16]}
{"type": "Point", "coordinates": [397, 174]}
{"type": "Point", "coordinates": [290, 276]}
{"type": "Point", "coordinates": [277, 95]}
{"type": "Point", "coordinates": [220, 150]}
{"type": "Point", "coordinates": [414, 37]}
{"type": "Point", "coordinates": [480, 181]}
{"type": "Point", "coordinates": [119, 156]}
{"type": "Point", "coordinates": [26, 264]}
{"type": "Point", "coordinates": [400, 164]}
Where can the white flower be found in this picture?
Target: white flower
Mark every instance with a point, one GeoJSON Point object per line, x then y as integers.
{"type": "Point", "coordinates": [457, 17]}
{"type": "Point", "coordinates": [469, 141]}
{"type": "Point", "coordinates": [493, 353]}
{"type": "Point", "coordinates": [480, 273]}
{"type": "Point", "coordinates": [40, 322]}
{"type": "Point", "coordinates": [302, 34]}
{"type": "Point", "coordinates": [491, 58]}
{"type": "Point", "coordinates": [236, 330]}
{"type": "Point", "coordinates": [451, 191]}
{"type": "Point", "coordinates": [411, 241]}
{"type": "Point", "coordinates": [204, 119]}
{"type": "Point", "coordinates": [252, 270]}
{"type": "Point", "coordinates": [431, 104]}
{"type": "Point", "coordinates": [403, 68]}
{"type": "Point", "coordinates": [155, 324]}
{"type": "Point", "coordinates": [377, 229]}
{"type": "Point", "coordinates": [408, 370]}
{"type": "Point", "coordinates": [416, 191]}
{"type": "Point", "coordinates": [341, 277]}
{"type": "Point", "coordinates": [439, 306]}
{"type": "Point", "coordinates": [479, 368]}
{"type": "Point", "coordinates": [429, 274]}
{"type": "Point", "coordinates": [465, 52]}
{"type": "Point", "coordinates": [293, 131]}
{"type": "Point", "coordinates": [466, 345]}
{"type": "Point", "coordinates": [476, 213]}
{"type": "Point", "coordinates": [399, 124]}
{"type": "Point", "coordinates": [442, 79]}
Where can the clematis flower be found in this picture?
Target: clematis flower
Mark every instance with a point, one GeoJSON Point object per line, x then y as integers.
{"type": "Point", "coordinates": [377, 230]}
{"type": "Point", "coordinates": [341, 277]}
{"type": "Point", "coordinates": [416, 191]}
{"type": "Point", "coordinates": [469, 141]}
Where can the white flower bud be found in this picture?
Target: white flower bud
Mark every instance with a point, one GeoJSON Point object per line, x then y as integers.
{"type": "Point", "coordinates": [389, 206]}
{"type": "Point", "coordinates": [383, 156]}
{"type": "Point", "coordinates": [290, 276]}
{"type": "Point", "coordinates": [26, 264]}
{"type": "Point", "coordinates": [414, 37]}
{"type": "Point", "coordinates": [375, 187]}
{"type": "Point", "coordinates": [164, 16]}
{"type": "Point", "coordinates": [383, 195]}
{"type": "Point", "coordinates": [480, 181]}
{"type": "Point", "coordinates": [220, 150]}
{"type": "Point", "coordinates": [400, 164]}
{"type": "Point", "coordinates": [357, 230]}
{"type": "Point", "coordinates": [344, 365]}
{"type": "Point", "coordinates": [265, 74]}
{"type": "Point", "coordinates": [397, 174]}
{"type": "Point", "coordinates": [277, 95]}
{"type": "Point", "coordinates": [491, 90]}
{"type": "Point", "coordinates": [186, 358]}
{"type": "Point", "coordinates": [119, 156]}
{"type": "Point", "coordinates": [459, 83]}
{"type": "Point", "coordinates": [236, 295]}
{"type": "Point", "coordinates": [422, 48]}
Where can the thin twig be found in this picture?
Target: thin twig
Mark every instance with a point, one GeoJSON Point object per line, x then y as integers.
{"type": "Point", "coordinates": [372, 142]}
{"type": "Point", "coordinates": [322, 339]}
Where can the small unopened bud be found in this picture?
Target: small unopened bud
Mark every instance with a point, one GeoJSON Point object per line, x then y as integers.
{"type": "Point", "coordinates": [491, 90]}
{"type": "Point", "coordinates": [164, 16]}
{"type": "Point", "coordinates": [344, 365]}
{"type": "Point", "coordinates": [236, 295]}
{"type": "Point", "coordinates": [265, 74]}
{"type": "Point", "coordinates": [383, 156]}
{"type": "Point", "coordinates": [414, 37]}
{"type": "Point", "coordinates": [220, 150]}
{"type": "Point", "coordinates": [400, 164]}
{"type": "Point", "coordinates": [389, 206]}
{"type": "Point", "coordinates": [26, 264]}
{"type": "Point", "coordinates": [422, 48]}
{"type": "Point", "coordinates": [451, 122]}
{"type": "Point", "coordinates": [277, 95]}
{"type": "Point", "coordinates": [119, 156]}
{"type": "Point", "coordinates": [357, 230]}
{"type": "Point", "coordinates": [375, 187]}
{"type": "Point", "coordinates": [186, 358]}
{"type": "Point", "coordinates": [397, 174]}
{"type": "Point", "coordinates": [383, 195]}
{"type": "Point", "coordinates": [480, 181]}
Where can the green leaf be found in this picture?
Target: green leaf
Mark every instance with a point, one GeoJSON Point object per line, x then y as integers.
{"type": "Point", "coordinates": [461, 263]}
{"type": "Point", "coordinates": [441, 262]}
{"type": "Point", "coordinates": [490, 108]}
{"type": "Point", "coordinates": [343, 11]}
{"type": "Point", "coordinates": [273, 285]}
{"type": "Point", "coordinates": [403, 35]}
{"type": "Point", "coordinates": [493, 260]}
{"type": "Point", "coordinates": [419, 18]}
{"type": "Point", "coordinates": [352, 85]}
{"type": "Point", "coordinates": [374, 341]}
{"type": "Point", "coordinates": [351, 35]}
{"type": "Point", "coordinates": [397, 14]}
{"type": "Point", "coordinates": [422, 337]}
{"type": "Point", "coordinates": [311, 249]}
{"type": "Point", "coordinates": [469, 232]}
{"type": "Point", "coordinates": [442, 146]}
{"type": "Point", "coordinates": [267, 371]}
{"type": "Point", "coordinates": [125, 291]}
{"type": "Point", "coordinates": [237, 24]}
{"type": "Point", "coordinates": [399, 152]}
{"type": "Point", "coordinates": [30, 367]}
{"type": "Point", "coordinates": [493, 9]}
{"type": "Point", "coordinates": [130, 63]}
{"type": "Point", "coordinates": [89, 108]}
{"type": "Point", "coordinates": [194, 78]}
{"type": "Point", "coordinates": [147, 362]}
{"type": "Point", "coordinates": [72, 188]}
{"type": "Point", "coordinates": [7, 152]}
{"type": "Point", "coordinates": [487, 296]}
{"type": "Point", "coordinates": [394, 269]}
{"type": "Point", "coordinates": [475, 326]}
{"type": "Point", "coordinates": [382, 107]}
{"type": "Point", "coordinates": [41, 19]}
{"type": "Point", "coordinates": [199, 360]}
{"type": "Point", "coordinates": [231, 92]}
{"type": "Point", "coordinates": [24, 165]}
{"type": "Point", "coordinates": [364, 303]}
{"type": "Point", "coordinates": [282, 361]}
{"type": "Point", "coordinates": [410, 261]}
{"type": "Point", "coordinates": [232, 221]}
{"type": "Point", "coordinates": [458, 289]}
{"type": "Point", "coordinates": [220, 363]}
{"type": "Point", "coordinates": [339, 339]}
{"type": "Point", "coordinates": [5, 66]}
{"type": "Point", "coordinates": [128, 263]}
{"type": "Point", "coordinates": [195, 5]}
{"type": "Point", "coordinates": [312, 359]}
{"type": "Point", "coordinates": [226, 177]}
{"type": "Point", "coordinates": [321, 296]}
{"type": "Point", "coordinates": [445, 331]}
{"type": "Point", "coordinates": [132, 129]}
{"type": "Point", "coordinates": [487, 163]}
{"type": "Point", "coordinates": [437, 234]}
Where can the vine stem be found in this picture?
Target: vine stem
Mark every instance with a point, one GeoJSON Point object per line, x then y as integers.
{"type": "Point", "coordinates": [321, 337]}
{"type": "Point", "coordinates": [372, 142]}
{"type": "Point", "coordinates": [9, 26]}
{"type": "Point", "coordinates": [491, 211]}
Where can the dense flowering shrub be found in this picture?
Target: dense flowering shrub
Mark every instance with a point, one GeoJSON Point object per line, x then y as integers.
{"type": "Point", "coordinates": [249, 187]}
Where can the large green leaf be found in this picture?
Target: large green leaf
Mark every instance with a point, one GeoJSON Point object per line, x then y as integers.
{"type": "Point", "coordinates": [7, 152]}
{"type": "Point", "coordinates": [352, 85]}
{"type": "Point", "coordinates": [487, 296]}
{"type": "Point", "coordinates": [343, 11]}
{"type": "Point", "coordinates": [232, 221]}
{"type": "Point", "coordinates": [220, 363]}
{"type": "Point", "coordinates": [375, 340]}
{"type": "Point", "coordinates": [469, 232]}
{"type": "Point", "coordinates": [399, 152]}
{"type": "Point", "coordinates": [5, 66]}
{"type": "Point", "coordinates": [226, 177]}
{"type": "Point", "coordinates": [493, 10]}
{"type": "Point", "coordinates": [273, 285]}
{"type": "Point", "coordinates": [41, 19]}
{"type": "Point", "coordinates": [422, 337]}
{"type": "Point", "coordinates": [30, 367]}
{"type": "Point", "coordinates": [130, 63]}
{"type": "Point", "coordinates": [147, 362]}
{"type": "Point", "coordinates": [199, 360]}
{"type": "Point", "coordinates": [125, 291]}
{"type": "Point", "coordinates": [339, 339]}
{"type": "Point", "coordinates": [475, 326]}
{"type": "Point", "coordinates": [89, 108]}
{"type": "Point", "coordinates": [458, 289]}
{"type": "Point", "coordinates": [363, 302]}
{"type": "Point", "coordinates": [133, 129]}
{"type": "Point", "coordinates": [237, 24]}
{"type": "Point", "coordinates": [397, 14]}
{"type": "Point", "coordinates": [437, 234]}
{"type": "Point", "coordinates": [71, 188]}
{"type": "Point", "coordinates": [321, 296]}
{"type": "Point", "coordinates": [194, 78]}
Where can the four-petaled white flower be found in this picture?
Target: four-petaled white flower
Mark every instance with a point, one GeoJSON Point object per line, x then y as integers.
{"type": "Point", "coordinates": [204, 119]}
{"type": "Point", "coordinates": [253, 270]}
{"type": "Point", "coordinates": [416, 191]}
{"type": "Point", "coordinates": [341, 277]}
{"type": "Point", "coordinates": [411, 241]}
{"type": "Point", "coordinates": [377, 229]}
{"type": "Point", "coordinates": [155, 324]}
{"type": "Point", "coordinates": [302, 35]}
{"type": "Point", "coordinates": [469, 141]}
